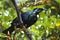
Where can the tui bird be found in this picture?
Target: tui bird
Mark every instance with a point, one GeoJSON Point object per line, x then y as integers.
{"type": "Point", "coordinates": [29, 18]}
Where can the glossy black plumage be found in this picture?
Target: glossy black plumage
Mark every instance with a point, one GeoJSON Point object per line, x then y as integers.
{"type": "Point", "coordinates": [29, 18]}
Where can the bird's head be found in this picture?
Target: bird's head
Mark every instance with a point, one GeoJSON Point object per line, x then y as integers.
{"type": "Point", "coordinates": [37, 10]}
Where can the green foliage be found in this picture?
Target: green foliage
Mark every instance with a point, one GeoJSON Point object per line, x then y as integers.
{"type": "Point", "coordinates": [47, 23]}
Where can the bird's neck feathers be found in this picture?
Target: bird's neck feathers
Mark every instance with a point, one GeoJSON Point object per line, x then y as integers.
{"type": "Point", "coordinates": [37, 10]}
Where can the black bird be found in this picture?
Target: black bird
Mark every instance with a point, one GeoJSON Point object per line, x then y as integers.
{"type": "Point", "coordinates": [29, 18]}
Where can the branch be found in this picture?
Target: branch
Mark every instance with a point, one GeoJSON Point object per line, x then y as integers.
{"type": "Point", "coordinates": [18, 13]}
{"type": "Point", "coordinates": [36, 3]}
{"type": "Point", "coordinates": [28, 34]}
{"type": "Point", "coordinates": [20, 20]}
{"type": "Point", "coordinates": [26, 4]}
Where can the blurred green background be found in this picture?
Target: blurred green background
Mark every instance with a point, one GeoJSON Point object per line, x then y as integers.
{"type": "Point", "coordinates": [47, 26]}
